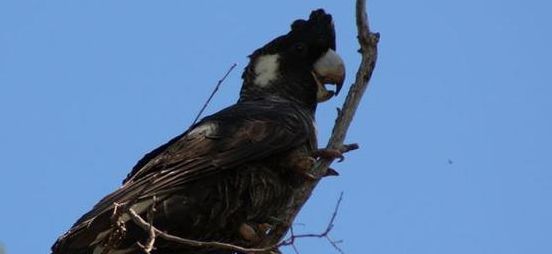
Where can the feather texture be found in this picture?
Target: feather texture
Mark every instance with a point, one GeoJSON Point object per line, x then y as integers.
{"type": "Point", "coordinates": [211, 179]}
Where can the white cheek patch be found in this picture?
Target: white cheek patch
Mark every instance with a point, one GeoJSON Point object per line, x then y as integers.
{"type": "Point", "coordinates": [266, 69]}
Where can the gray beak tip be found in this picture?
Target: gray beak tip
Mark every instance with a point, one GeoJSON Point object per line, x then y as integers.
{"type": "Point", "coordinates": [339, 85]}
{"type": "Point", "coordinates": [330, 69]}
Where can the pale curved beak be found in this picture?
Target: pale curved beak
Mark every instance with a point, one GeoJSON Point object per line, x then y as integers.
{"type": "Point", "coordinates": [328, 69]}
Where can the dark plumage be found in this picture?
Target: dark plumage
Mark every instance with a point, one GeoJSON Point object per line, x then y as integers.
{"type": "Point", "coordinates": [234, 171]}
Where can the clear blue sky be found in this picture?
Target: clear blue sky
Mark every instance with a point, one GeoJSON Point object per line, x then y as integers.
{"type": "Point", "coordinates": [88, 87]}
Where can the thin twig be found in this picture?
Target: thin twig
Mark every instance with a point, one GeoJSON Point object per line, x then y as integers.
{"type": "Point", "coordinates": [148, 247]}
{"type": "Point", "coordinates": [292, 243]}
{"type": "Point", "coordinates": [213, 93]}
{"type": "Point", "coordinates": [150, 243]}
{"type": "Point", "coordinates": [155, 232]}
{"type": "Point", "coordinates": [329, 227]}
{"type": "Point", "coordinates": [324, 234]}
{"type": "Point", "coordinates": [334, 244]}
{"type": "Point", "coordinates": [138, 220]}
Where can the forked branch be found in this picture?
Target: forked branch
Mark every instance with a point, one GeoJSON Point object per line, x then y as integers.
{"type": "Point", "coordinates": [154, 233]}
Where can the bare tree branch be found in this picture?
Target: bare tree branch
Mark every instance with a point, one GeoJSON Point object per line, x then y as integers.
{"type": "Point", "coordinates": [154, 232]}
{"type": "Point", "coordinates": [138, 220]}
{"type": "Point", "coordinates": [368, 49]}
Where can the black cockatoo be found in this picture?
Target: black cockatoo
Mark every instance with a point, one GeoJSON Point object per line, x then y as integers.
{"type": "Point", "coordinates": [230, 176]}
